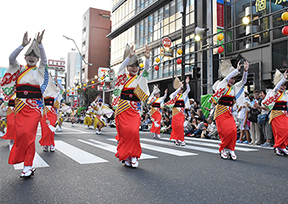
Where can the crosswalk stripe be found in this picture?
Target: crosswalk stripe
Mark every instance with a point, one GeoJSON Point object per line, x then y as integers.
{"type": "Point", "coordinates": [186, 147]}
{"type": "Point", "coordinates": [111, 148]}
{"type": "Point", "coordinates": [217, 146]}
{"type": "Point", "coordinates": [37, 162]}
{"type": "Point", "coordinates": [165, 150]}
{"type": "Point", "coordinates": [78, 155]}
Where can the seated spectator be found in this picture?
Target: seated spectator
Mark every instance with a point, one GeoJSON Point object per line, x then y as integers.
{"type": "Point", "coordinates": [211, 131]}
{"type": "Point", "coordinates": [192, 128]}
{"type": "Point", "coordinates": [166, 125]}
{"type": "Point", "coordinates": [200, 127]}
{"type": "Point", "coordinates": [145, 123]}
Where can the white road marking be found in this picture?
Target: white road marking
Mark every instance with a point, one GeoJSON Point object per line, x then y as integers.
{"type": "Point", "coordinates": [78, 155]}
{"type": "Point", "coordinates": [111, 148]}
{"type": "Point", "coordinates": [164, 150]}
{"type": "Point", "coordinates": [214, 151]}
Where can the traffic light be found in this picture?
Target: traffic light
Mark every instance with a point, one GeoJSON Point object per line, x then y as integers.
{"type": "Point", "coordinates": [196, 72]}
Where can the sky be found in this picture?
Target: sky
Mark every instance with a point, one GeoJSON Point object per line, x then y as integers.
{"type": "Point", "coordinates": [57, 17]}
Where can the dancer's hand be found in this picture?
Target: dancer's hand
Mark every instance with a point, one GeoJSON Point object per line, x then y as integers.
{"type": "Point", "coordinates": [246, 66]}
{"type": "Point", "coordinates": [132, 51]}
{"type": "Point", "coordinates": [147, 51]}
{"type": "Point", "coordinates": [187, 80]}
{"type": "Point", "coordinates": [40, 37]}
{"type": "Point", "coordinates": [285, 74]}
{"type": "Point", "coordinates": [166, 91]}
{"type": "Point", "coordinates": [25, 40]}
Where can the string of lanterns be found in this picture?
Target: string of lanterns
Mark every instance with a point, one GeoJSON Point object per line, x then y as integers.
{"type": "Point", "coordinates": [284, 17]}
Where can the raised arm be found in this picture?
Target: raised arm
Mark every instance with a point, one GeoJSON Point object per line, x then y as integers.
{"type": "Point", "coordinates": [281, 82]}
{"type": "Point", "coordinates": [13, 56]}
{"type": "Point", "coordinates": [187, 85]}
{"type": "Point", "coordinates": [41, 48]}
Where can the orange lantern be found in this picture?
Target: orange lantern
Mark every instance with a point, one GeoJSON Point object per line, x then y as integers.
{"type": "Point", "coordinates": [284, 16]}
{"type": "Point", "coordinates": [179, 51]}
{"type": "Point", "coordinates": [157, 59]}
{"type": "Point", "coordinates": [220, 37]}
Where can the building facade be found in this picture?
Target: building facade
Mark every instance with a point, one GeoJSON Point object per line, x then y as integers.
{"type": "Point", "coordinates": [261, 42]}
{"type": "Point", "coordinates": [95, 45]}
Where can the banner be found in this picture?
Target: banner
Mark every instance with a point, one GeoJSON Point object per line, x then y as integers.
{"type": "Point", "coordinates": [205, 103]}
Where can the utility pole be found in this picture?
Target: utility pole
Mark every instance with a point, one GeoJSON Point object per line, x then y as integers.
{"type": "Point", "coordinates": [183, 36]}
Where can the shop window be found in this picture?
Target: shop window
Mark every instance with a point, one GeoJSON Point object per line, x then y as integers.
{"type": "Point", "coordinates": [280, 55]}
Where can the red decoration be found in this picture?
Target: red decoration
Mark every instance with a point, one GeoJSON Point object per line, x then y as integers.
{"type": "Point", "coordinates": [67, 94]}
{"type": "Point", "coordinates": [179, 61]}
{"type": "Point", "coordinates": [156, 67]}
{"type": "Point", "coordinates": [102, 82]}
{"type": "Point", "coordinates": [72, 93]}
{"type": "Point", "coordinates": [84, 89]}
{"type": "Point", "coordinates": [220, 50]}
{"type": "Point", "coordinates": [285, 30]}
{"type": "Point", "coordinates": [93, 87]}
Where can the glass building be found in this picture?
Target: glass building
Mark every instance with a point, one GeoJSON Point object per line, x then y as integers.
{"type": "Point", "coordinates": [261, 42]}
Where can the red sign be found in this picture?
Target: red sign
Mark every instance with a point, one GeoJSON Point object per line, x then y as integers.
{"type": "Point", "coordinates": [166, 42]}
{"type": "Point", "coordinates": [56, 63]}
{"type": "Point", "coordinates": [220, 15]}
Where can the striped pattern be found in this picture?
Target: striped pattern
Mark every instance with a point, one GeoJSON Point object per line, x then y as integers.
{"type": "Point", "coordinates": [122, 106]}
{"type": "Point", "coordinates": [45, 110]}
{"type": "Point", "coordinates": [19, 104]}
{"type": "Point", "coordinates": [140, 93]}
{"type": "Point", "coordinates": [220, 109]}
{"type": "Point", "coordinates": [56, 104]}
{"type": "Point", "coordinates": [274, 114]}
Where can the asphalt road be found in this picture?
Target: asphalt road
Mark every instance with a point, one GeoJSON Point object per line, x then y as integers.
{"type": "Point", "coordinates": [84, 169]}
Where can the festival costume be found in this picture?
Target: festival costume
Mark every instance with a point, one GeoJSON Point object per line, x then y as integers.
{"type": "Point", "coordinates": [30, 85]}
{"type": "Point", "coordinates": [224, 96]}
{"type": "Point", "coordinates": [10, 120]}
{"type": "Point", "coordinates": [156, 112]}
{"type": "Point", "coordinates": [127, 96]}
{"type": "Point", "coordinates": [179, 102]}
{"type": "Point", "coordinates": [100, 111]}
{"type": "Point", "coordinates": [89, 116]}
{"type": "Point", "coordinates": [52, 97]}
{"type": "Point", "coordinates": [3, 111]}
{"type": "Point", "coordinates": [276, 101]}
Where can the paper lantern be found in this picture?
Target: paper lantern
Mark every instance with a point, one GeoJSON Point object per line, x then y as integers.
{"type": "Point", "coordinates": [284, 16]}
{"type": "Point", "coordinates": [67, 90]}
{"type": "Point", "coordinates": [102, 82]}
{"type": "Point", "coordinates": [285, 30]}
{"type": "Point", "coordinates": [141, 65]}
{"type": "Point", "coordinates": [179, 51]}
{"type": "Point", "coordinates": [84, 84]}
{"type": "Point", "coordinates": [220, 37]}
{"type": "Point", "coordinates": [92, 82]}
{"type": "Point", "coordinates": [156, 67]}
{"type": "Point", "coordinates": [157, 60]}
{"type": "Point", "coordinates": [78, 87]}
{"type": "Point", "coordinates": [93, 87]}
{"type": "Point", "coordinates": [179, 61]}
{"type": "Point", "coordinates": [84, 89]}
{"type": "Point", "coordinates": [220, 50]}
{"type": "Point", "coordinates": [102, 78]}
{"type": "Point", "coordinates": [72, 93]}
{"type": "Point", "coordinates": [72, 89]}
{"type": "Point", "coordinates": [67, 94]}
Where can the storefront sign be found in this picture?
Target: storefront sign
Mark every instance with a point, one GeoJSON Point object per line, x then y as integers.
{"type": "Point", "coordinates": [220, 15]}
{"type": "Point", "coordinates": [261, 5]}
{"type": "Point", "coordinates": [279, 1]}
{"type": "Point", "coordinates": [166, 42]}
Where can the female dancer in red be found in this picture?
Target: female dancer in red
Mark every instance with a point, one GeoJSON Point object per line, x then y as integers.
{"type": "Point", "coordinates": [156, 112]}
{"type": "Point", "coordinates": [276, 101]}
{"type": "Point", "coordinates": [225, 94]}
{"type": "Point", "coordinates": [130, 89]}
{"type": "Point", "coordinates": [179, 101]}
